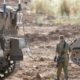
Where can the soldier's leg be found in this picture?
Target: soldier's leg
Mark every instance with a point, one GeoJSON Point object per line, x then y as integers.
{"type": "Point", "coordinates": [65, 68]}
{"type": "Point", "coordinates": [59, 71]}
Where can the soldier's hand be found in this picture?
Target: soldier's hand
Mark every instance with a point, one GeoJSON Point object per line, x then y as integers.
{"type": "Point", "coordinates": [55, 59]}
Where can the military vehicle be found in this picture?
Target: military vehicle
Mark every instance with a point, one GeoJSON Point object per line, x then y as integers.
{"type": "Point", "coordinates": [11, 43]}
{"type": "Point", "coordinates": [75, 51]}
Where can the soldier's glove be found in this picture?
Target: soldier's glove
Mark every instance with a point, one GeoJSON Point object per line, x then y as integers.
{"type": "Point", "coordinates": [55, 59]}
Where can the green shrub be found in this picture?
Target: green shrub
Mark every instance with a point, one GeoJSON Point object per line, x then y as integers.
{"type": "Point", "coordinates": [65, 9]}
{"type": "Point", "coordinates": [56, 7]}
{"type": "Point", "coordinates": [42, 6]}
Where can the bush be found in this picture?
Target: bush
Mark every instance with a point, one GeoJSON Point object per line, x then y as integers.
{"type": "Point", "coordinates": [65, 9]}
{"type": "Point", "coordinates": [70, 7]}
{"type": "Point", "coordinates": [42, 6]}
{"type": "Point", "coordinates": [56, 7]}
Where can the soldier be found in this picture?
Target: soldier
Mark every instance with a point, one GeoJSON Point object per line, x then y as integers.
{"type": "Point", "coordinates": [62, 50]}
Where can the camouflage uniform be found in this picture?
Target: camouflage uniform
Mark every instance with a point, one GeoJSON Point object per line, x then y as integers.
{"type": "Point", "coordinates": [64, 64]}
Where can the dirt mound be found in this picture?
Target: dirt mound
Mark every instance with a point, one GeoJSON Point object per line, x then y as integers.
{"type": "Point", "coordinates": [41, 37]}
{"type": "Point", "coordinates": [54, 35]}
{"type": "Point", "coordinates": [36, 37]}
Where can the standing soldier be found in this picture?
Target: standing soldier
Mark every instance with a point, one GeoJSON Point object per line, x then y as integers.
{"type": "Point", "coordinates": [62, 50]}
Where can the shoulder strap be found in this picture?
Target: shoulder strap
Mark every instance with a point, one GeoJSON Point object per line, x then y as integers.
{"type": "Point", "coordinates": [64, 45]}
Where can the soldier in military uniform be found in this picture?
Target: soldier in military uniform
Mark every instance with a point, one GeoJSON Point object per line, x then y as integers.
{"type": "Point", "coordinates": [62, 50]}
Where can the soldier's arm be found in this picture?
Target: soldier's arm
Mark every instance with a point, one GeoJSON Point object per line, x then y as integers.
{"type": "Point", "coordinates": [57, 49]}
{"type": "Point", "coordinates": [56, 55]}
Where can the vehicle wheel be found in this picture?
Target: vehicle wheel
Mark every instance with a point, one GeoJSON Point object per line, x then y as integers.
{"type": "Point", "coordinates": [6, 71]}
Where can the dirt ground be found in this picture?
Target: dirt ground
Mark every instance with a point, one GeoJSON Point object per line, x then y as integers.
{"type": "Point", "coordinates": [42, 42]}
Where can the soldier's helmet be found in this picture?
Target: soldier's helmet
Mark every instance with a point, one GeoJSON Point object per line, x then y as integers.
{"type": "Point", "coordinates": [61, 36]}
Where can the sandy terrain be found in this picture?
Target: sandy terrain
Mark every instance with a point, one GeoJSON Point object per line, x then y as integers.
{"type": "Point", "coordinates": [42, 42]}
{"type": "Point", "coordinates": [42, 46]}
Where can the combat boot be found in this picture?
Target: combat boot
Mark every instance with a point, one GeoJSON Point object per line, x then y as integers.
{"type": "Point", "coordinates": [66, 78]}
